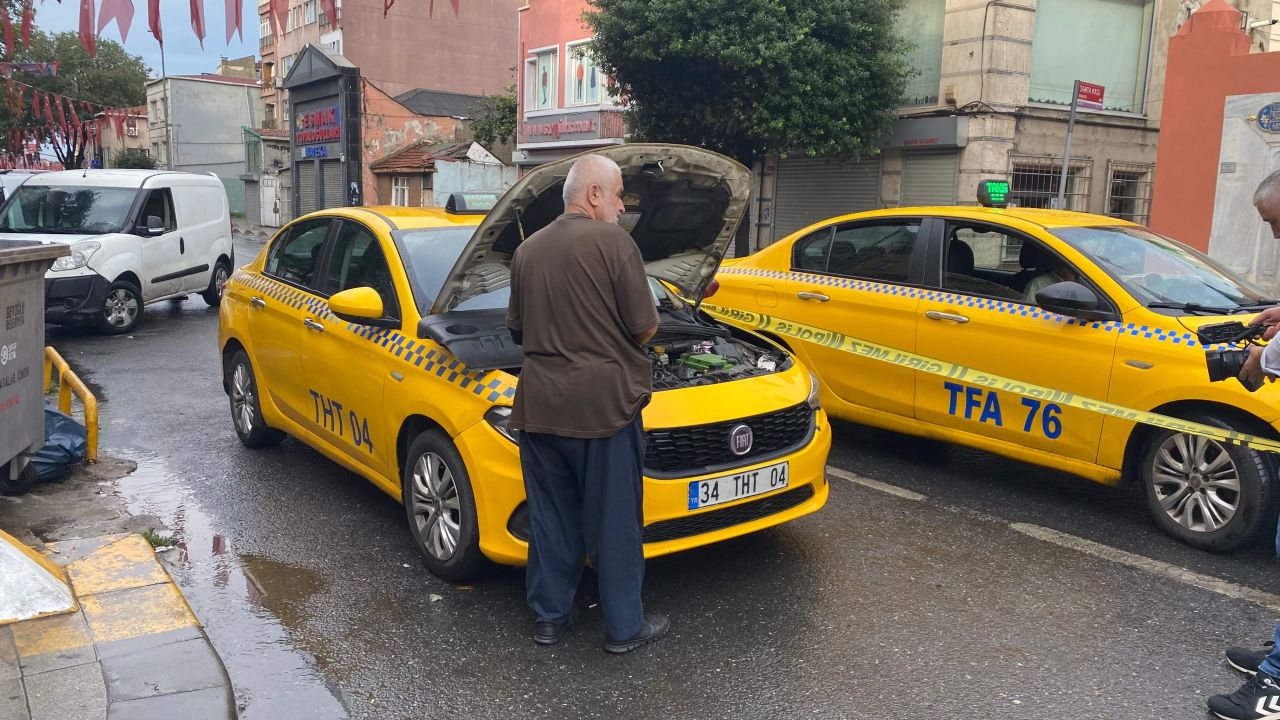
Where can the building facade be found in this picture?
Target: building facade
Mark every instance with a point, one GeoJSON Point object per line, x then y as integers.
{"type": "Point", "coordinates": [136, 136]}
{"type": "Point", "coordinates": [194, 124]}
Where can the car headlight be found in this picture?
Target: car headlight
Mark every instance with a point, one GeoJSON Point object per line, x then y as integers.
{"type": "Point", "coordinates": [499, 416]}
{"type": "Point", "coordinates": [815, 391]}
{"type": "Point", "coordinates": [79, 257]}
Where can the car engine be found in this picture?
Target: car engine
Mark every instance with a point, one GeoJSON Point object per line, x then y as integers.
{"type": "Point", "coordinates": [689, 353]}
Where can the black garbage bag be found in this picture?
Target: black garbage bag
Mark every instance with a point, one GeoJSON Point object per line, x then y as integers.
{"type": "Point", "coordinates": [65, 441]}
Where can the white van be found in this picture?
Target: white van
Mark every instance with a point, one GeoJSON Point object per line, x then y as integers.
{"type": "Point", "coordinates": [137, 237]}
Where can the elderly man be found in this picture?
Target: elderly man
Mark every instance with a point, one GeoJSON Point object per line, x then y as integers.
{"type": "Point", "coordinates": [582, 308]}
{"type": "Point", "coordinates": [1259, 698]}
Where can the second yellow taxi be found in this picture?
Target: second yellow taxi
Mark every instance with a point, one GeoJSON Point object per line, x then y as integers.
{"type": "Point", "coordinates": [377, 337]}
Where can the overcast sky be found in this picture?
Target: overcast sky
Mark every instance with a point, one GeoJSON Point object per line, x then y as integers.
{"type": "Point", "coordinates": [182, 53]}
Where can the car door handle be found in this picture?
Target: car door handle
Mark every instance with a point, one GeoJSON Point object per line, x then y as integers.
{"type": "Point", "coordinates": [258, 302]}
{"type": "Point", "coordinates": [805, 295]}
{"type": "Point", "coordinates": [935, 315]}
{"type": "Point", "coordinates": [313, 325]}
{"type": "Point", "coordinates": [182, 245]}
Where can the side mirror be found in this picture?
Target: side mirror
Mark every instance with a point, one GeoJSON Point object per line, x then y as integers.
{"type": "Point", "coordinates": [360, 305]}
{"type": "Point", "coordinates": [1074, 299]}
{"type": "Point", "coordinates": [153, 226]}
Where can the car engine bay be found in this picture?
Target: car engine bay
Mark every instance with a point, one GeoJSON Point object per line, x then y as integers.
{"type": "Point", "coordinates": [688, 351]}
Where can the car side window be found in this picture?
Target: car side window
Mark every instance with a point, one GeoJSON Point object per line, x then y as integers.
{"type": "Point", "coordinates": [810, 252]}
{"type": "Point", "coordinates": [159, 204]}
{"type": "Point", "coordinates": [358, 261]}
{"type": "Point", "coordinates": [296, 253]}
{"type": "Point", "coordinates": [880, 251]}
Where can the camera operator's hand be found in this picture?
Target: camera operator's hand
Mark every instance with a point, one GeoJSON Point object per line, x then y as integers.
{"type": "Point", "coordinates": [1252, 374]}
{"type": "Point", "coordinates": [1271, 318]}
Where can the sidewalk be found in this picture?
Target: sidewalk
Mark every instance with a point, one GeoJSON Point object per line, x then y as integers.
{"type": "Point", "coordinates": [132, 649]}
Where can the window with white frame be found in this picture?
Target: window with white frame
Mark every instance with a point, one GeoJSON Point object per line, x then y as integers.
{"type": "Point", "coordinates": [264, 32]}
{"type": "Point", "coordinates": [309, 8]}
{"type": "Point", "coordinates": [400, 190]}
{"type": "Point", "coordinates": [583, 77]}
{"type": "Point", "coordinates": [288, 64]}
{"type": "Point", "coordinates": [1107, 41]}
{"type": "Point", "coordinates": [540, 80]}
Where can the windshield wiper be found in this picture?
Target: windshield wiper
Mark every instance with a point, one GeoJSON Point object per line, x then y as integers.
{"type": "Point", "coordinates": [1193, 307]}
{"type": "Point", "coordinates": [1258, 305]}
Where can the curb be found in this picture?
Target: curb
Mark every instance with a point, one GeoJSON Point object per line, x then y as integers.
{"type": "Point", "coordinates": [133, 649]}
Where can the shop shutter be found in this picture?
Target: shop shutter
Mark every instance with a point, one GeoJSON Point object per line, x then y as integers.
{"type": "Point", "coordinates": [929, 177]}
{"type": "Point", "coordinates": [306, 187]}
{"type": "Point", "coordinates": [333, 190]}
{"type": "Point", "coordinates": [252, 202]}
{"type": "Point", "coordinates": [812, 189]}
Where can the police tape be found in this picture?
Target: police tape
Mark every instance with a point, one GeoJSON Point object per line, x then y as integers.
{"type": "Point", "coordinates": [960, 373]}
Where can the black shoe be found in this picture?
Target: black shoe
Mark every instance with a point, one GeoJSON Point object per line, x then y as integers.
{"type": "Point", "coordinates": [1247, 660]}
{"type": "Point", "coordinates": [1257, 699]}
{"type": "Point", "coordinates": [547, 633]}
{"type": "Point", "coordinates": [655, 626]}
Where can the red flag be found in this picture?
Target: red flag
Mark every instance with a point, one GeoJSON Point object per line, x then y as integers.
{"type": "Point", "coordinates": [454, 3]}
{"type": "Point", "coordinates": [153, 20]}
{"type": "Point", "coordinates": [87, 38]}
{"type": "Point", "coordinates": [48, 112]}
{"type": "Point", "coordinates": [17, 104]}
{"type": "Point", "coordinates": [386, 6]}
{"type": "Point", "coordinates": [35, 104]}
{"type": "Point", "coordinates": [8, 34]}
{"type": "Point", "coordinates": [279, 12]}
{"type": "Point", "coordinates": [197, 20]}
{"type": "Point", "coordinates": [119, 10]}
{"type": "Point", "coordinates": [331, 11]}
{"type": "Point", "coordinates": [235, 18]}
{"type": "Point", "coordinates": [62, 113]}
{"type": "Point", "coordinates": [117, 118]}
{"type": "Point", "coordinates": [26, 24]}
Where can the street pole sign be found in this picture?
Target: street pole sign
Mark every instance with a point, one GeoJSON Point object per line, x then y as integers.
{"type": "Point", "coordinates": [1085, 95]}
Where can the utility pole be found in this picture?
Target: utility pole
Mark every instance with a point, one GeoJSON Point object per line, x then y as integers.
{"type": "Point", "coordinates": [168, 113]}
{"type": "Point", "coordinates": [1066, 152]}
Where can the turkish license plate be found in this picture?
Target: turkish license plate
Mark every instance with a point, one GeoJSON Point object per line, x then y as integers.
{"type": "Point", "coordinates": [727, 488]}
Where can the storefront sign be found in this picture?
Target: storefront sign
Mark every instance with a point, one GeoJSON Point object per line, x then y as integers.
{"type": "Point", "coordinates": [1269, 118]}
{"type": "Point", "coordinates": [942, 132]}
{"type": "Point", "coordinates": [591, 125]}
{"type": "Point", "coordinates": [1089, 95]}
{"type": "Point", "coordinates": [321, 125]}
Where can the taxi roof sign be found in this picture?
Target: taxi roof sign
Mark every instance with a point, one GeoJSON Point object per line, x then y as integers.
{"type": "Point", "coordinates": [469, 203]}
{"type": "Point", "coordinates": [993, 193]}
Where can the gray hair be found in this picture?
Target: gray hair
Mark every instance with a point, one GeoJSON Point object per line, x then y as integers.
{"type": "Point", "coordinates": [1269, 187]}
{"type": "Point", "coordinates": [588, 171]}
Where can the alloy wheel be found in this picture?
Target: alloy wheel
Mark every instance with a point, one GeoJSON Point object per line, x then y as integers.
{"type": "Point", "coordinates": [220, 279]}
{"type": "Point", "coordinates": [437, 512]}
{"type": "Point", "coordinates": [242, 399]}
{"type": "Point", "coordinates": [121, 307]}
{"type": "Point", "coordinates": [1196, 481]}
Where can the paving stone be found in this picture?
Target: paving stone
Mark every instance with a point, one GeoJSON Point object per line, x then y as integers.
{"type": "Point", "coordinates": [74, 693]}
{"type": "Point", "coordinates": [53, 642]}
{"type": "Point", "coordinates": [136, 612]}
{"type": "Point", "coordinates": [144, 642]}
{"type": "Point", "coordinates": [13, 701]}
{"type": "Point", "coordinates": [126, 563]}
{"type": "Point", "coordinates": [208, 704]}
{"type": "Point", "coordinates": [176, 668]}
{"type": "Point", "coordinates": [9, 668]}
{"type": "Point", "coordinates": [67, 551]}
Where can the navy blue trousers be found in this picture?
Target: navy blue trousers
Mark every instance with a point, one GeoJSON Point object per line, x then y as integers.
{"type": "Point", "coordinates": [586, 500]}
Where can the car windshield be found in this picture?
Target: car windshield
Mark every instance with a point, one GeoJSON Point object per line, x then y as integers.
{"type": "Point", "coordinates": [1160, 272]}
{"type": "Point", "coordinates": [431, 253]}
{"type": "Point", "coordinates": [67, 210]}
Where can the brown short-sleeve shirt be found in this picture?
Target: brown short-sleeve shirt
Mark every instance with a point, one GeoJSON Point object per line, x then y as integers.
{"type": "Point", "coordinates": [578, 295]}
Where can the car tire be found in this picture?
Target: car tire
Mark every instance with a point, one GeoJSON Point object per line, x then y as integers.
{"type": "Point", "coordinates": [217, 283]}
{"type": "Point", "coordinates": [1209, 494]}
{"type": "Point", "coordinates": [442, 512]}
{"type": "Point", "coordinates": [246, 408]}
{"type": "Point", "coordinates": [121, 309]}
{"type": "Point", "coordinates": [26, 479]}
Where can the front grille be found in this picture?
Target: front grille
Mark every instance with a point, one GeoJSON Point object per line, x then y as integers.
{"type": "Point", "coordinates": [700, 449]}
{"type": "Point", "coordinates": [713, 520]}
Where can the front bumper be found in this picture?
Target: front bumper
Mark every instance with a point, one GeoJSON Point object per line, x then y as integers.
{"type": "Point", "coordinates": [493, 463]}
{"type": "Point", "coordinates": [74, 299]}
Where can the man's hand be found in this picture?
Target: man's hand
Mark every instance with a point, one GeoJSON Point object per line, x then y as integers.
{"type": "Point", "coordinates": [1271, 318]}
{"type": "Point", "coordinates": [1251, 375]}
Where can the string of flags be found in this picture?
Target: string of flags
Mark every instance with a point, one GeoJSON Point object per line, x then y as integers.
{"type": "Point", "coordinates": [41, 116]}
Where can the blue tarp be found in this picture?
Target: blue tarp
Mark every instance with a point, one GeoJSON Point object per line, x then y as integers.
{"type": "Point", "coordinates": [65, 441]}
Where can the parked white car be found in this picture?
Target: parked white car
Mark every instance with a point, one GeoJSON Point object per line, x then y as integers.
{"type": "Point", "coordinates": [10, 180]}
{"type": "Point", "coordinates": [137, 237]}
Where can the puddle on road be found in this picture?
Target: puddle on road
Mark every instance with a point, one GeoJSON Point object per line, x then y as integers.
{"type": "Point", "coordinates": [245, 602]}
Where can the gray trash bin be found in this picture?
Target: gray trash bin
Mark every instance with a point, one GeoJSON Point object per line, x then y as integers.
{"type": "Point", "coordinates": [22, 268]}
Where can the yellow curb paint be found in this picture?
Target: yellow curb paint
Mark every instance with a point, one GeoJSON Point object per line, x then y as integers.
{"type": "Point", "coordinates": [126, 563]}
{"type": "Point", "coordinates": [134, 612]}
{"type": "Point", "coordinates": [57, 633]}
{"type": "Point", "coordinates": [44, 562]}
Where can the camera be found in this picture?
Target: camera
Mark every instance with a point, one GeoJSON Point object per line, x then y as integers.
{"type": "Point", "coordinates": [1225, 363]}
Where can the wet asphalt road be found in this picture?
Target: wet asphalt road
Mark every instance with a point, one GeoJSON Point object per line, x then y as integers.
{"type": "Point", "coordinates": [876, 607]}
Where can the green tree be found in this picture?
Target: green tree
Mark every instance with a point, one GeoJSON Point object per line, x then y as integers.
{"type": "Point", "coordinates": [113, 78]}
{"type": "Point", "coordinates": [493, 118]}
{"type": "Point", "coordinates": [133, 158]}
{"type": "Point", "coordinates": [749, 77]}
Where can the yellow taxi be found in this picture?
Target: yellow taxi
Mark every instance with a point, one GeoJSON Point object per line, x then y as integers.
{"type": "Point", "coordinates": [377, 336]}
{"type": "Point", "coordinates": [1087, 304]}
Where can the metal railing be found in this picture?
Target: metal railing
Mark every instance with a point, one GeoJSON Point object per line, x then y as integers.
{"type": "Point", "coordinates": [69, 383]}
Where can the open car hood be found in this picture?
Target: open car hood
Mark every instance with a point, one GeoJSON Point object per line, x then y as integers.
{"type": "Point", "coordinates": [683, 206]}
